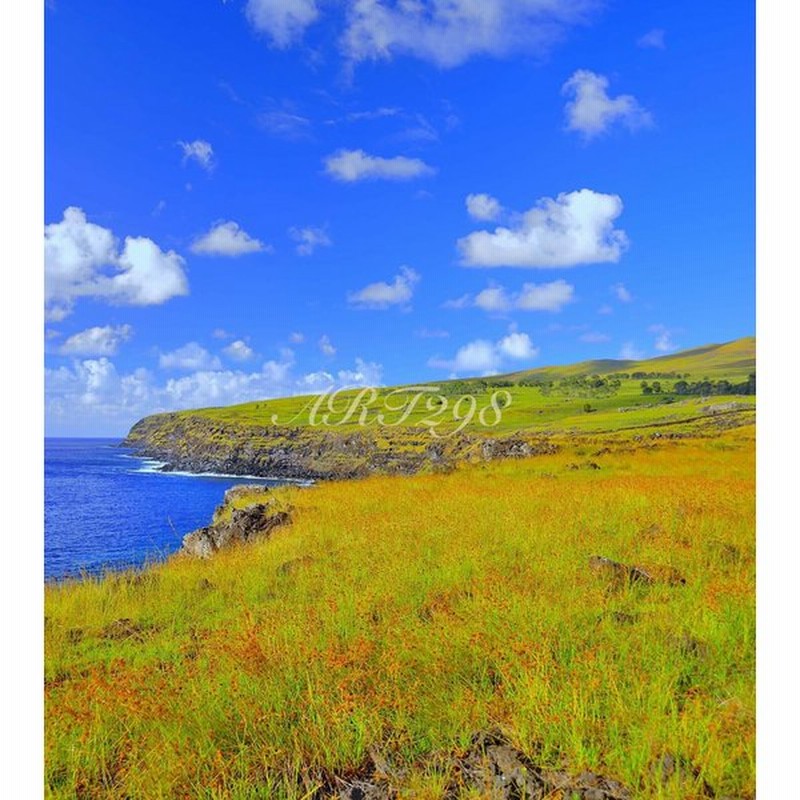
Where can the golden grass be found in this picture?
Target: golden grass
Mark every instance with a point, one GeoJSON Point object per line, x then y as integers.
{"type": "Point", "coordinates": [408, 613]}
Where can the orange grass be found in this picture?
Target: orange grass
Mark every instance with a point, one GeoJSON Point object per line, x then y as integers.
{"type": "Point", "coordinates": [432, 607]}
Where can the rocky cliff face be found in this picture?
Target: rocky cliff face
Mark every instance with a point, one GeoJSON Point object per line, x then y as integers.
{"type": "Point", "coordinates": [200, 444]}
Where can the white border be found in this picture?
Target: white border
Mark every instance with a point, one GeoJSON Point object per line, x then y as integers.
{"type": "Point", "coordinates": [22, 154]}
{"type": "Point", "coordinates": [778, 525]}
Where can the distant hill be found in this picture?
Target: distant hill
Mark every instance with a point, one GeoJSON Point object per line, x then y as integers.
{"type": "Point", "coordinates": [695, 392]}
{"type": "Point", "coordinates": [731, 360]}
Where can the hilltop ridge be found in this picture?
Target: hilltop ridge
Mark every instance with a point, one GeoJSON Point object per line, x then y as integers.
{"type": "Point", "coordinates": [397, 430]}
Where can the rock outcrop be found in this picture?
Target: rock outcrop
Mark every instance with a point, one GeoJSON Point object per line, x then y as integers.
{"type": "Point", "coordinates": [198, 443]}
{"type": "Point", "coordinates": [233, 526]}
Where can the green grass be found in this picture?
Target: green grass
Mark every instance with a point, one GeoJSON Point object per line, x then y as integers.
{"type": "Point", "coordinates": [530, 410]}
{"type": "Point", "coordinates": [420, 610]}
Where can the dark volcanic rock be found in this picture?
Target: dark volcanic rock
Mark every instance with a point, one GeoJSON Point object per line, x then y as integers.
{"type": "Point", "coordinates": [619, 574]}
{"type": "Point", "coordinates": [240, 526]}
{"type": "Point", "coordinates": [675, 769]}
{"type": "Point", "coordinates": [491, 768]}
{"type": "Point", "coordinates": [197, 443]}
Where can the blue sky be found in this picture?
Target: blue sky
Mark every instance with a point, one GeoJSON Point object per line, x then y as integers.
{"type": "Point", "coordinates": [256, 198]}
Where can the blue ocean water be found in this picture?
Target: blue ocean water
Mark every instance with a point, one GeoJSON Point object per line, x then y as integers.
{"type": "Point", "coordinates": [105, 509]}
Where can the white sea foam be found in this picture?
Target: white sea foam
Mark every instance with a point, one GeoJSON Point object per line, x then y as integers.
{"type": "Point", "coordinates": [153, 467]}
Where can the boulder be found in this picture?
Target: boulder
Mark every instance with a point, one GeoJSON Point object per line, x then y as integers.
{"type": "Point", "coordinates": [243, 525]}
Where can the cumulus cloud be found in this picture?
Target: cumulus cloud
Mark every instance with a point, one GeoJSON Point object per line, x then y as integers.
{"type": "Point", "coordinates": [309, 239]}
{"type": "Point", "coordinates": [350, 166]}
{"type": "Point", "coordinates": [227, 239]}
{"type": "Point", "coordinates": [517, 346]}
{"type": "Point", "coordinates": [326, 346]}
{"type": "Point", "coordinates": [653, 38]}
{"type": "Point", "coordinates": [574, 228]}
{"type": "Point", "coordinates": [365, 373]}
{"type": "Point", "coordinates": [664, 342]}
{"type": "Point", "coordinates": [97, 341]}
{"type": "Point", "coordinates": [484, 357]}
{"type": "Point", "coordinates": [591, 111]}
{"type": "Point", "coordinates": [383, 295]}
{"type": "Point", "coordinates": [296, 337]}
{"type": "Point", "coordinates": [238, 351]}
{"type": "Point", "coordinates": [83, 259]}
{"type": "Point", "coordinates": [532, 297]}
{"type": "Point", "coordinates": [283, 21]}
{"type": "Point", "coordinates": [483, 207]}
{"type": "Point", "coordinates": [449, 32]}
{"type": "Point", "coordinates": [622, 293]}
{"type": "Point", "coordinates": [199, 151]}
{"type": "Point", "coordinates": [191, 356]}
{"type": "Point", "coordinates": [91, 397]}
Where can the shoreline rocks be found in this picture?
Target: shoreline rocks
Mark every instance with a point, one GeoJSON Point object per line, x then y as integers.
{"type": "Point", "coordinates": [234, 526]}
{"type": "Point", "coordinates": [199, 444]}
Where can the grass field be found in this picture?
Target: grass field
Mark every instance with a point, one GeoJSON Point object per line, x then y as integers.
{"type": "Point", "coordinates": [402, 615]}
{"type": "Point", "coordinates": [528, 407]}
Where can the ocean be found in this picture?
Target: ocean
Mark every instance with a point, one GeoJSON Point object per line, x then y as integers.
{"type": "Point", "coordinates": [106, 509]}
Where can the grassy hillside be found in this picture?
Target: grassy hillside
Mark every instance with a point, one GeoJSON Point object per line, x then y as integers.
{"type": "Point", "coordinates": [397, 617]}
{"type": "Point", "coordinates": [534, 406]}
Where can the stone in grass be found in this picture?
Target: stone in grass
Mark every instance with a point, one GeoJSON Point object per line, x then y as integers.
{"type": "Point", "coordinates": [244, 525]}
{"type": "Point", "coordinates": [121, 629]}
{"type": "Point", "coordinates": [671, 769]}
{"type": "Point", "coordinates": [620, 574]}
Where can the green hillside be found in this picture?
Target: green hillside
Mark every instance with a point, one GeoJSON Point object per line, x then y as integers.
{"type": "Point", "coordinates": [534, 405]}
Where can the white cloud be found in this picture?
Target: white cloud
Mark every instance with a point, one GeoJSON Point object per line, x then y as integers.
{"type": "Point", "coordinates": [238, 351]}
{"type": "Point", "coordinates": [545, 296]}
{"type": "Point", "coordinates": [378, 113]}
{"type": "Point", "coordinates": [227, 239]}
{"type": "Point", "coordinates": [532, 297]}
{"type": "Point", "coordinates": [296, 337]}
{"type": "Point", "coordinates": [309, 239]}
{"type": "Point", "coordinates": [630, 352]}
{"type": "Point", "coordinates": [283, 21]}
{"type": "Point", "coordinates": [221, 333]}
{"type": "Point", "coordinates": [383, 295]}
{"type": "Point", "coordinates": [285, 124]}
{"type": "Point", "coordinates": [82, 259]}
{"type": "Point", "coordinates": [356, 165]}
{"type": "Point", "coordinates": [191, 356]}
{"type": "Point", "coordinates": [653, 38]}
{"type": "Point", "coordinates": [493, 299]}
{"type": "Point", "coordinates": [449, 32]}
{"type": "Point", "coordinates": [325, 345]}
{"type": "Point", "coordinates": [91, 397]}
{"type": "Point", "coordinates": [483, 207]}
{"type": "Point", "coordinates": [517, 346]}
{"type": "Point", "coordinates": [605, 310]}
{"type": "Point", "coordinates": [592, 112]}
{"type": "Point", "coordinates": [465, 301]}
{"type": "Point", "coordinates": [484, 357]}
{"type": "Point", "coordinates": [664, 342]}
{"type": "Point", "coordinates": [622, 293]}
{"type": "Point", "coordinates": [479, 356]}
{"type": "Point", "coordinates": [97, 341]}
{"type": "Point", "coordinates": [200, 151]}
{"type": "Point", "coordinates": [574, 228]}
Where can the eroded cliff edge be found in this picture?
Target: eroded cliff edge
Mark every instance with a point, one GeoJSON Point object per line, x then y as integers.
{"type": "Point", "coordinates": [199, 444]}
